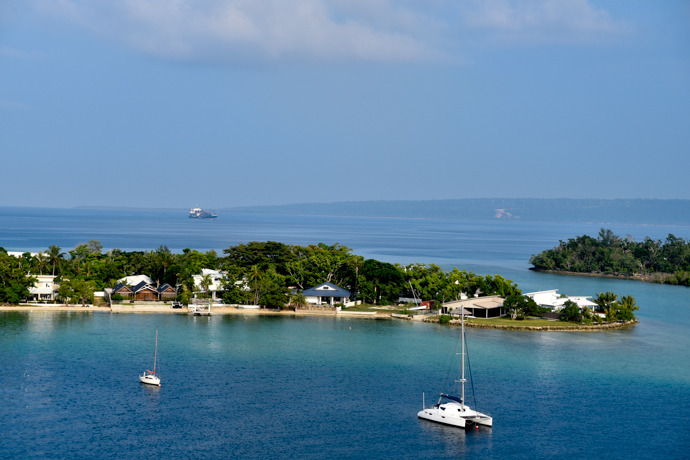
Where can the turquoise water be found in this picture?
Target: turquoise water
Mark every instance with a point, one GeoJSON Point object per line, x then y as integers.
{"type": "Point", "coordinates": [330, 387]}
{"type": "Point", "coordinates": [323, 387]}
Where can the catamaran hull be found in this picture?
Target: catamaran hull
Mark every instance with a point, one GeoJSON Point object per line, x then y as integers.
{"type": "Point", "coordinates": [483, 420]}
{"type": "Point", "coordinates": [150, 380]}
{"type": "Point", "coordinates": [434, 415]}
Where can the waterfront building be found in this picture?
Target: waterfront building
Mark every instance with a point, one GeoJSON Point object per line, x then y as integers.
{"type": "Point", "coordinates": [44, 288]}
{"type": "Point", "coordinates": [326, 293]}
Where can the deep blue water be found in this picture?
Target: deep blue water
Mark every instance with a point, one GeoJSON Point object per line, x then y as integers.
{"type": "Point", "coordinates": [331, 387]}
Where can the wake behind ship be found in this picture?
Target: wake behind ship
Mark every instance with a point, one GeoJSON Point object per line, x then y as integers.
{"type": "Point", "coordinates": [198, 213]}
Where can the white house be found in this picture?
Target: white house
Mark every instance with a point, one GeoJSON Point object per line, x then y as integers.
{"type": "Point", "coordinates": [545, 298]}
{"type": "Point", "coordinates": [217, 279]}
{"type": "Point", "coordinates": [326, 293]}
{"type": "Point", "coordinates": [552, 299]}
{"type": "Point", "coordinates": [44, 288]}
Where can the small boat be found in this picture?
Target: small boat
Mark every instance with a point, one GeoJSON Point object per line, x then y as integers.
{"type": "Point", "coordinates": [451, 409]}
{"type": "Point", "coordinates": [150, 377]}
{"type": "Point", "coordinates": [198, 213]}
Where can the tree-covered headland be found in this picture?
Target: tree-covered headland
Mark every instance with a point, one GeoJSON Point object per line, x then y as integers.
{"type": "Point", "coordinates": [262, 273]}
{"type": "Point", "coordinates": [608, 254]}
{"type": "Point", "coordinates": [265, 273]}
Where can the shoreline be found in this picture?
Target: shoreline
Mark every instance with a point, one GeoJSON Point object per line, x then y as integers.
{"type": "Point", "coordinates": [649, 278]}
{"type": "Point", "coordinates": [231, 310]}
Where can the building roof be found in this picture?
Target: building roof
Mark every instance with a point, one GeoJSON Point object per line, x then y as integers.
{"type": "Point", "coordinates": [121, 287]}
{"type": "Point", "coordinates": [143, 285]}
{"type": "Point", "coordinates": [483, 303]}
{"type": "Point", "coordinates": [166, 287]}
{"type": "Point", "coordinates": [327, 290]}
{"type": "Point", "coordinates": [135, 280]}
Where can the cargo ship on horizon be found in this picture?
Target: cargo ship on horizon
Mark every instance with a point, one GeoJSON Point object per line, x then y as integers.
{"type": "Point", "coordinates": [198, 213]}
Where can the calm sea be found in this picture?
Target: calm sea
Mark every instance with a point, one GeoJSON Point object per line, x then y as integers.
{"type": "Point", "coordinates": [330, 387]}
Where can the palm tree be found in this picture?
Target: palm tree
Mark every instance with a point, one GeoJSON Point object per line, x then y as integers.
{"type": "Point", "coordinates": [626, 307]}
{"type": "Point", "coordinates": [205, 282]}
{"type": "Point", "coordinates": [54, 255]}
{"type": "Point", "coordinates": [605, 300]}
{"type": "Point", "coordinates": [255, 276]}
{"type": "Point", "coordinates": [629, 302]}
{"type": "Point", "coordinates": [41, 259]}
{"type": "Point", "coordinates": [298, 300]}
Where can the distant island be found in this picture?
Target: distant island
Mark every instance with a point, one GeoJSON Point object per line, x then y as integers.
{"type": "Point", "coordinates": [608, 254]}
{"type": "Point", "coordinates": [619, 211]}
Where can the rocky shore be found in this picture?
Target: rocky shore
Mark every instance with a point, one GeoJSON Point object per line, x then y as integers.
{"type": "Point", "coordinates": [556, 327]}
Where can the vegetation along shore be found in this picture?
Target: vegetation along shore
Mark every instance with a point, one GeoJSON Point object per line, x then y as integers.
{"type": "Point", "coordinates": [610, 255]}
{"type": "Point", "coordinates": [276, 276]}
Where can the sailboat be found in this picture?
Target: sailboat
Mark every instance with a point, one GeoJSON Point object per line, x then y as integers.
{"type": "Point", "coordinates": [150, 377]}
{"type": "Point", "coordinates": [451, 409]}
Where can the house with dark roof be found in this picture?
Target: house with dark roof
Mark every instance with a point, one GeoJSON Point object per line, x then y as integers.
{"type": "Point", "coordinates": [326, 293]}
{"type": "Point", "coordinates": [166, 292]}
{"type": "Point", "coordinates": [144, 291]}
{"type": "Point", "coordinates": [123, 290]}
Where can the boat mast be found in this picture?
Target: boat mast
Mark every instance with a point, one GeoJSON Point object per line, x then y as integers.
{"type": "Point", "coordinates": [155, 354]}
{"type": "Point", "coordinates": [462, 338]}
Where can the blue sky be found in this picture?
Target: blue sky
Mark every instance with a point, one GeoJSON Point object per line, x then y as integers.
{"type": "Point", "coordinates": [221, 103]}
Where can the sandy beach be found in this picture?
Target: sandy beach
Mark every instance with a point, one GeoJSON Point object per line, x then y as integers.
{"type": "Point", "coordinates": [234, 310]}
{"type": "Point", "coordinates": [216, 310]}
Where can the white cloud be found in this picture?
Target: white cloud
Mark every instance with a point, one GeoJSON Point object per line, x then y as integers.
{"type": "Point", "coordinates": [256, 29]}
{"type": "Point", "coordinates": [544, 20]}
{"type": "Point", "coordinates": [326, 30]}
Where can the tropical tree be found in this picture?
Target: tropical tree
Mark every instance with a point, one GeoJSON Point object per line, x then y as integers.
{"type": "Point", "coordinates": [273, 290]}
{"type": "Point", "coordinates": [55, 256]}
{"type": "Point", "coordinates": [205, 283]}
{"type": "Point", "coordinates": [297, 299]}
{"type": "Point", "coordinates": [380, 282]}
{"type": "Point", "coordinates": [605, 300]}
{"type": "Point", "coordinates": [626, 307]}
{"type": "Point", "coordinates": [41, 261]}
{"type": "Point", "coordinates": [77, 290]}
{"type": "Point", "coordinates": [571, 311]}
{"type": "Point", "coordinates": [514, 304]}
{"type": "Point", "coordinates": [14, 280]}
{"type": "Point", "coordinates": [520, 307]}
{"type": "Point", "coordinates": [262, 254]}
{"type": "Point", "coordinates": [255, 277]}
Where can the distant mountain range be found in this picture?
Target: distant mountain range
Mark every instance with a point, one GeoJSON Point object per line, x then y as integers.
{"type": "Point", "coordinates": [618, 211]}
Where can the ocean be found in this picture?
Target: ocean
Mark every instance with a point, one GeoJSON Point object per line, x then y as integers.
{"type": "Point", "coordinates": [254, 387]}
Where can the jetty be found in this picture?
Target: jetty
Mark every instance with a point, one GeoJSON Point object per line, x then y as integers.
{"type": "Point", "coordinates": [199, 308]}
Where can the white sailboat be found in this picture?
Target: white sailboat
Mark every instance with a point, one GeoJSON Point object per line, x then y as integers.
{"type": "Point", "coordinates": [150, 377]}
{"type": "Point", "coordinates": [451, 409]}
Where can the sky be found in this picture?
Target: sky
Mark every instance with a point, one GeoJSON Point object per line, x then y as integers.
{"type": "Point", "coordinates": [224, 103]}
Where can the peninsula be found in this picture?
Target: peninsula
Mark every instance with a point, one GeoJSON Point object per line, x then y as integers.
{"type": "Point", "coordinates": [313, 279]}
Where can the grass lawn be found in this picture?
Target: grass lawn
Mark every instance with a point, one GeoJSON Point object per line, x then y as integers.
{"type": "Point", "coordinates": [376, 308]}
{"type": "Point", "coordinates": [524, 323]}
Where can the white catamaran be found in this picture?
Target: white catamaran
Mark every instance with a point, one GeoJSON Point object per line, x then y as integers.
{"type": "Point", "coordinates": [453, 411]}
{"type": "Point", "coordinates": [150, 377]}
